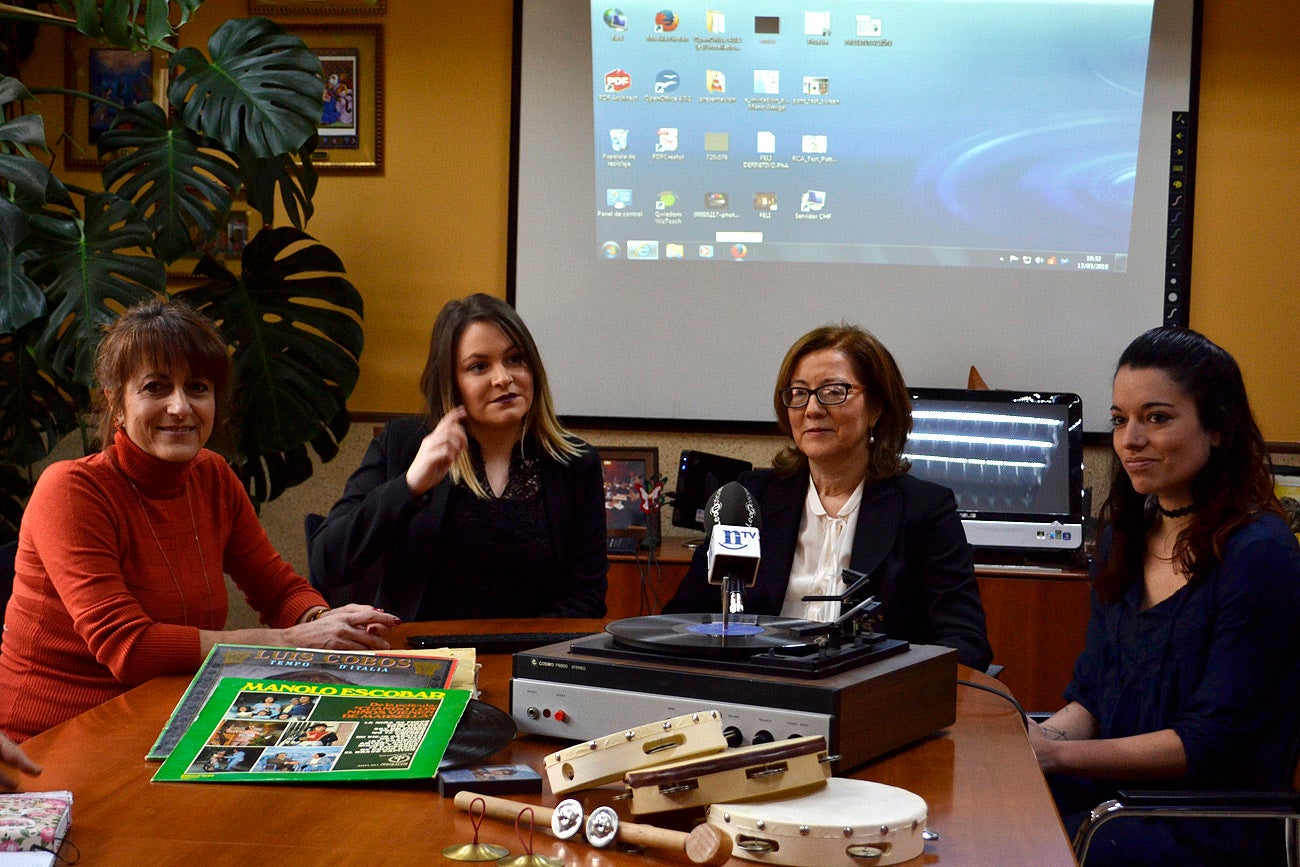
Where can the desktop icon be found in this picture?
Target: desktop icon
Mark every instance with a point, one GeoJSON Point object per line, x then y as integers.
{"type": "Point", "coordinates": [706, 251]}
{"type": "Point", "coordinates": [717, 142]}
{"type": "Point", "coordinates": [715, 201]}
{"type": "Point", "coordinates": [767, 24]}
{"type": "Point", "coordinates": [715, 22]}
{"type": "Point", "coordinates": [643, 249]}
{"type": "Point", "coordinates": [610, 250]}
{"type": "Point", "coordinates": [764, 201]}
{"type": "Point", "coordinates": [812, 201]}
{"type": "Point", "coordinates": [617, 80]}
{"type": "Point", "coordinates": [674, 251]}
{"type": "Point", "coordinates": [816, 85]}
{"type": "Point", "coordinates": [767, 81]}
{"type": "Point", "coordinates": [817, 23]}
{"type": "Point", "coordinates": [615, 19]}
{"type": "Point", "coordinates": [666, 201]}
{"type": "Point", "coordinates": [715, 81]}
{"type": "Point", "coordinates": [813, 144]}
{"type": "Point", "coordinates": [868, 26]}
{"type": "Point", "coordinates": [666, 21]}
{"type": "Point", "coordinates": [667, 81]}
{"type": "Point", "coordinates": [618, 199]}
{"type": "Point", "coordinates": [766, 142]}
{"type": "Point", "coordinates": [739, 251]}
{"type": "Point", "coordinates": [666, 140]}
{"type": "Point", "coordinates": [618, 140]}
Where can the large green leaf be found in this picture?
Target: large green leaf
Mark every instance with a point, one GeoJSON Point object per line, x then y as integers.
{"type": "Point", "coordinates": [117, 21]}
{"type": "Point", "coordinates": [25, 178]}
{"type": "Point", "coordinates": [21, 299]}
{"type": "Point", "coordinates": [92, 269]}
{"type": "Point", "coordinates": [261, 93]}
{"type": "Point", "coordinates": [35, 413]}
{"type": "Point", "coordinates": [293, 323]}
{"type": "Point", "coordinates": [181, 189]}
{"type": "Point", "coordinates": [293, 175]}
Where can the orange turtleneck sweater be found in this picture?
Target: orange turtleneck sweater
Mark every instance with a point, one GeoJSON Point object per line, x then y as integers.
{"type": "Point", "coordinates": [120, 564]}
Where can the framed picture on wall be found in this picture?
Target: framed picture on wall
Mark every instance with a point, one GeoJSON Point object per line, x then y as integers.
{"type": "Point", "coordinates": [317, 7]}
{"type": "Point", "coordinates": [630, 476]}
{"type": "Point", "coordinates": [228, 247]}
{"type": "Point", "coordinates": [352, 123]}
{"type": "Point", "coordinates": [119, 76]}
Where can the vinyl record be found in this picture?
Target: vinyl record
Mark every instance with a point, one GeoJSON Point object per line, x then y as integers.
{"type": "Point", "coordinates": [482, 731]}
{"type": "Point", "coordinates": [705, 635]}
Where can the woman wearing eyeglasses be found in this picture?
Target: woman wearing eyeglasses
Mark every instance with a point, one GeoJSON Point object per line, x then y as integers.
{"type": "Point", "coordinates": [840, 498]}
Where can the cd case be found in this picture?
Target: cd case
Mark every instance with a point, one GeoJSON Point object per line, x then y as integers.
{"type": "Point", "coordinates": [490, 780]}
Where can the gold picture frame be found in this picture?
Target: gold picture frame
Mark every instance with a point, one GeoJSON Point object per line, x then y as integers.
{"type": "Point", "coordinates": [317, 7]}
{"type": "Point", "coordinates": [227, 248]}
{"type": "Point", "coordinates": [352, 127]}
{"type": "Point", "coordinates": [125, 76]}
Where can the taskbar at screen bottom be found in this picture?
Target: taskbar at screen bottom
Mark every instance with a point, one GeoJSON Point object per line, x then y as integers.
{"type": "Point", "coordinates": [741, 247]}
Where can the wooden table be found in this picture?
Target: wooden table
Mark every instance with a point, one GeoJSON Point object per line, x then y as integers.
{"type": "Point", "coordinates": [986, 796]}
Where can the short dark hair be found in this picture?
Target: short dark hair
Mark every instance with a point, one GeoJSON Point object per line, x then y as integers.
{"type": "Point", "coordinates": [884, 388]}
{"type": "Point", "coordinates": [162, 333]}
{"type": "Point", "coordinates": [1236, 483]}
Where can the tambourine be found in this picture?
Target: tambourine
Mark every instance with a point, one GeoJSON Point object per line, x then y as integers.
{"type": "Point", "coordinates": [774, 770]}
{"type": "Point", "coordinates": [606, 759]}
{"type": "Point", "coordinates": [848, 823]}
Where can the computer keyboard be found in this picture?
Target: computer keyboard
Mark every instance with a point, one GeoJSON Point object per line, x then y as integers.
{"type": "Point", "coordinates": [496, 642]}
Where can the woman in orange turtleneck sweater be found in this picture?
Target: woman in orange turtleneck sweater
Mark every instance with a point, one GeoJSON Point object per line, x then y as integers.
{"type": "Point", "coordinates": [121, 555]}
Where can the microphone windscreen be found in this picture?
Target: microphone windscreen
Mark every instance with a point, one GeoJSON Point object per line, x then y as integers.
{"type": "Point", "coordinates": [732, 505]}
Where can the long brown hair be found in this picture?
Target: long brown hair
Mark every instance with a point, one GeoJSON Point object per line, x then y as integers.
{"type": "Point", "coordinates": [884, 390]}
{"type": "Point", "coordinates": [441, 394]}
{"type": "Point", "coordinates": [1234, 487]}
{"type": "Point", "coordinates": [166, 335]}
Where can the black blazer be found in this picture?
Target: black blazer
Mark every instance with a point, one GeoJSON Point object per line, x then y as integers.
{"type": "Point", "coordinates": [908, 537]}
{"type": "Point", "coordinates": [378, 523]}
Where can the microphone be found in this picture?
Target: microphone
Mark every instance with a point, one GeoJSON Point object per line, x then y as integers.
{"type": "Point", "coordinates": [731, 523]}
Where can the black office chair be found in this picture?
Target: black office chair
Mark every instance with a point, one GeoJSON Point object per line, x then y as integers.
{"type": "Point", "coordinates": [364, 592]}
{"type": "Point", "coordinates": [1199, 805]}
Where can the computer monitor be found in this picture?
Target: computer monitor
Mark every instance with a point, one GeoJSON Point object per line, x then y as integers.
{"type": "Point", "coordinates": [699, 474]}
{"type": "Point", "coordinates": [1014, 460]}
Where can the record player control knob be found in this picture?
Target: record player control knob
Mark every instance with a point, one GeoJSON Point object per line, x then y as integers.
{"type": "Point", "coordinates": [733, 736]}
{"type": "Point", "coordinates": [763, 736]}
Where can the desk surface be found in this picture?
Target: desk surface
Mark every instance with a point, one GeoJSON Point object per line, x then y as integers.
{"type": "Point", "coordinates": [985, 794]}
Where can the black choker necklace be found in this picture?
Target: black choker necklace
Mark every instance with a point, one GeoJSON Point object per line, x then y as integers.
{"type": "Point", "coordinates": [1175, 513]}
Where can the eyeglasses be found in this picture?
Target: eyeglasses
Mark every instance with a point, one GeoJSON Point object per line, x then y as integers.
{"type": "Point", "coordinates": [830, 394]}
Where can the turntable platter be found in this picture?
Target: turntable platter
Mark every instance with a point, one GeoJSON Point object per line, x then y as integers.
{"type": "Point", "coordinates": [706, 635]}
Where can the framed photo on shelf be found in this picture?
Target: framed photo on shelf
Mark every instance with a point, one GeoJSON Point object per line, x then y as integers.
{"type": "Point", "coordinates": [352, 125]}
{"type": "Point", "coordinates": [123, 76]}
{"type": "Point", "coordinates": [317, 7]}
{"type": "Point", "coordinates": [630, 476]}
{"type": "Point", "coordinates": [1286, 485]}
{"type": "Point", "coordinates": [228, 247]}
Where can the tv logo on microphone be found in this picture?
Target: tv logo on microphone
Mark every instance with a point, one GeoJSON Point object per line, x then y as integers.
{"type": "Point", "coordinates": [738, 538]}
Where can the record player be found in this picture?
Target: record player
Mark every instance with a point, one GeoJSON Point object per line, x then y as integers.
{"type": "Point", "coordinates": [770, 677]}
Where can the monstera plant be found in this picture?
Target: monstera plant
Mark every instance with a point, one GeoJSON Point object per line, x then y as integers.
{"type": "Point", "coordinates": [243, 120]}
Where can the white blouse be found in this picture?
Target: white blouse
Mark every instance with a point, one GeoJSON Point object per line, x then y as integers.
{"type": "Point", "coordinates": [822, 553]}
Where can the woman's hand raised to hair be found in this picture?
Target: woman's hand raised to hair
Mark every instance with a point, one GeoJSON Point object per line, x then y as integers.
{"type": "Point", "coordinates": [352, 627]}
{"type": "Point", "coordinates": [437, 452]}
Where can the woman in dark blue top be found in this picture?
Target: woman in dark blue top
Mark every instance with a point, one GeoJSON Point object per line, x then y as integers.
{"type": "Point", "coordinates": [1189, 675]}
